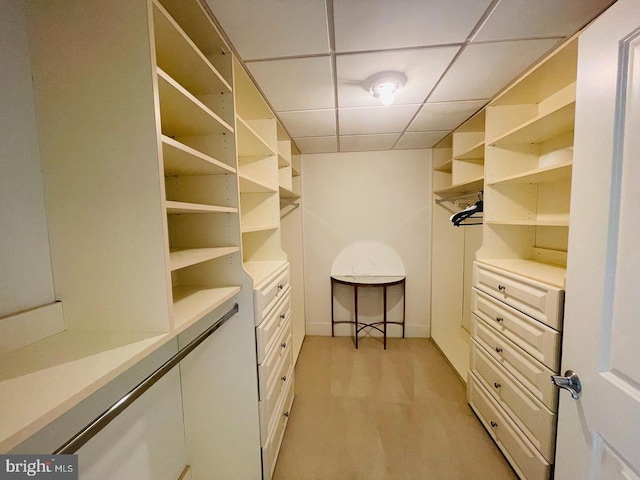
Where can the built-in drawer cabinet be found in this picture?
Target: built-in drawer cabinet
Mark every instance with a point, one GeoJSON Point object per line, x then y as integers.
{"type": "Point", "coordinates": [268, 294]}
{"type": "Point", "coordinates": [537, 339]}
{"type": "Point", "coordinates": [515, 348]}
{"type": "Point", "coordinates": [523, 456]}
{"type": "Point", "coordinates": [267, 331]}
{"type": "Point", "coordinates": [274, 440]}
{"type": "Point", "coordinates": [538, 300]}
{"type": "Point", "coordinates": [536, 421]}
{"type": "Point", "coordinates": [532, 374]}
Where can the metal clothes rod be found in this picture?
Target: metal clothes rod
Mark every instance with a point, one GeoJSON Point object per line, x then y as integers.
{"type": "Point", "coordinates": [88, 432]}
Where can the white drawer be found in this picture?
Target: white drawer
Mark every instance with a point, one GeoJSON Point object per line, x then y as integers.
{"type": "Point", "coordinates": [541, 301]}
{"type": "Point", "coordinates": [267, 405]}
{"type": "Point", "coordinates": [266, 294]}
{"type": "Point", "coordinates": [272, 447]}
{"type": "Point", "coordinates": [523, 456]}
{"type": "Point", "coordinates": [267, 331]}
{"type": "Point", "coordinates": [531, 373]}
{"type": "Point", "coordinates": [268, 369]}
{"type": "Point", "coordinates": [534, 419]}
{"type": "Point", "coordinates": [535, 338]}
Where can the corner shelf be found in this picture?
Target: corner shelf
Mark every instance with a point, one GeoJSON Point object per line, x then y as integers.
{"type": "Point", "coordinates": [477, 151]}
{"type": "Point", "coordinates": [253, 185]}
{"type": "Point", "coordinates": [541, 175]}
{"type": "Point", "coordinates": [445, 167]}
{"type": "Point", "coordinates": [472, 186]}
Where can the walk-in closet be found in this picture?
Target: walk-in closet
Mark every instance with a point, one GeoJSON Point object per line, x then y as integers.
{"type": "Point", "coordinates": [319, 239]}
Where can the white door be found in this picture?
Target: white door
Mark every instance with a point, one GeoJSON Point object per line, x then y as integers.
{"type": "Point", "coordinates": [599, 434]}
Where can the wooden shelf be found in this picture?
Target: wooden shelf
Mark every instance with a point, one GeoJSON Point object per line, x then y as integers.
{"type": "Point", "coordinates": [252, 185]}
{"type": "Point", "coordinates": [184, 207]}
{"type": "Point", "coordinates": [541, 175]}
{"type": "Point", "coordinates": [180, 159]}
{"type": "Point", "coordinates": [540, 128]}
{"type": "Point", "coordinates": [182, 114]}
{"type": "Point", "coordinates": [295, 172]}
{"type": "Point", "coordinates": [542, 272]}
{"type": "Point", "coordinates": [184, 258]}
{"type": "Point", "coordinates": [530, 223]}
{"type": "Point", "coordinates": [445, 167]}
{"type": "Point", "coordinates": [180, 58]}
{"type": "Point", "coordinates": [477, 151]}
{"type": "Point", "coordinates": [250, 143]}
{"type": "Point", "coordinates": [472, 186]}
{"type": "Point", "coordinates": [258, 228]}
{"type": "Point", "coordinates": [286, 193]}
{"type": "Point", "coordinates": [261, 270]}
{"type": "Point", "coordinates": [282, 161]}
{"type": "Point", "coordinates": [193, 303]}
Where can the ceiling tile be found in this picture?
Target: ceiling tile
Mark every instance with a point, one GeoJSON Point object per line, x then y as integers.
{"type": "Point", "coordinates": [514, 19]}
{"type": "Point", "coordinates": [317, 144]}
{"type": "Point", "coordinates": [422, 67]}
{"type": "Point", "coordinates": [419, 140]}
{"type": "Point", "coordinates": [283, 28]}
{"type": "Point", "coordinates": [359, 143]}
{"type": "Point", "coordinates": [309, 123]}
{"type": "Point", "coordinates": [481, 70]}
{"type": "Point", "coordinates": [295, 84]}
{"type": "Point", "coordinates": [381, 25]}
{"type": "Point", "coordinates": [368, 120]}
{"type": "Point", "coordinates": [444, 116]}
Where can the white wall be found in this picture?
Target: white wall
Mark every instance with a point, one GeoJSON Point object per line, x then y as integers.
{"type": "Point", "coordinates": [26, 280]}
{"type": "Point", "coordinates": [379, 196]}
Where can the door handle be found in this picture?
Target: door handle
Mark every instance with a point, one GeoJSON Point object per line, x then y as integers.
{"type": "Point", "coordinates": [570, 382]}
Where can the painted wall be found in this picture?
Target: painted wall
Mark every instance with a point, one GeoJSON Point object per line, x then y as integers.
{"type": "Point", "coordinates": [367, 196]}
{"type": "Point", "coordinates": [26, 280]}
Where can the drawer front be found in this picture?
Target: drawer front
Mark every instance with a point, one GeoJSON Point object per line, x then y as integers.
{"type": "Point", "coordinates": [531, 373]}
{"type": "Point", "coordinates": [267, 294]}
{"type": "Point", "coordinates": [523, 456]}
{"type": "Point", "coordinates": [268, 369]}
{"type": "Point", "coordinates": [535, 338]}
{"type": "Point", "coordinates": [533, 418]}
{"type": "Point", "coordinates": [542, 302]}
{"type": "Point", "coordinates": [272, 447]}
{"type": "Point", "coordinates": [267, 331]}
{"type": "Point", "coordinates": [268, 404]}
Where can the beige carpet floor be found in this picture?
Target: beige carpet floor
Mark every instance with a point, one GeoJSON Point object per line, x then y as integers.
{"type": "Point", "coordinates": [371, 414]}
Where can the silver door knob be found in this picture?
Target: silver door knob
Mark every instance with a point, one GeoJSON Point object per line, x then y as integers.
{"type": "Point", "coordinates": [570, 382]}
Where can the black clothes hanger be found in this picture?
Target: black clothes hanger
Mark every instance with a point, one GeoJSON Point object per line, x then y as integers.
{"type": "Point", "coordinates": [466, 214]}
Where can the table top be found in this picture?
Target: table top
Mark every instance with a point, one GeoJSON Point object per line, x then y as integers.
{"type": "Point", "coordinates": [368, 280]}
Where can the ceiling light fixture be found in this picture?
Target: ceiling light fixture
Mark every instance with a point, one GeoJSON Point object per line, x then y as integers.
{"type": "Point", "coordinates": [384, 86]}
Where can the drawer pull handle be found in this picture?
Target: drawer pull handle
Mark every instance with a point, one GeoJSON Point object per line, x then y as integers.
{"type": "Point", "coordinates": [498, 349]}
{"type": "Point", "coordinates": [284, 378]}
{"type": "Point", "coordinates": [496, 384]}
{"type": "Point", "coordinates": [282, 316]}
{"type": "Point", "coordinates": [284, 345]}
{"type": "Point", "coordinates": [499, 319]}
{"type": "Point", "coordinates": [494, 424]}
{"type": "Point", "coordinates": [502, 288]}
{"type": "Point", "coordinates": [280, 287]}
{"type": "Point", "coordinates": [286, 414]}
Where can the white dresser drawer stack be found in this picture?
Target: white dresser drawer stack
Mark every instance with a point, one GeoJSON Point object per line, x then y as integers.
{"type": "Point", "coordinates": [275, 363]}
{"type": "Point", "coordinates": [515, 349]}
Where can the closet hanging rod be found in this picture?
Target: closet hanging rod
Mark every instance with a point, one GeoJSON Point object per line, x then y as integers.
{"type": "Point", "coordinates": [460, 196]}
{"type": "Point", "coordinates": [88, 432]}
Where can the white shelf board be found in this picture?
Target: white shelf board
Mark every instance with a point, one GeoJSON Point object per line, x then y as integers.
{"type": "Point", "coordinates": [184, 258]}
{"type": "Point", "coordinates": [258, 228]}
{"type": "Point", "coordinates": [184, 207]}
{"type": "Point", "coordinates": [282, 161]}
{"type": "Point", "coordinates": [192, 303]}
{"type": "Point", "coordinates": [286, 193]}
{"type": "Point", "coordinates": [295, 172]}
{"type": "Point", "coordinates": [182, 114]}
{"type": "Point", "coordinates": [477, 151]}
{"type": "Point", "coordinates": [541, 175]}
{"type": "Point", "coordinates": [530, 223]}
{"type": "Point", "coordinates": [45, 379]}
{"type": "Point", "coordinates": [540, 128]}
{"type": "Point", "coordinates": [445, 167]}
{"type": "Point", "coordinates": [252, 185]}
{"type": "Point", "coordinates": [177, 55]}
{"type": "Point", "coordinates": [543, 272]}
{"type": "Point", "coordinates": [259, 271]}
{"type": "Point", "coordinates": [471, 186]}
{"type": "Point", "coordinates": [180, 159]}
{"type": "Point", "coordinates": [250, 143]}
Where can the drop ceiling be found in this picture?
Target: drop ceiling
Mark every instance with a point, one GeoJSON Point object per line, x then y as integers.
{"type": "Point", "coordinates": [311, 57]}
